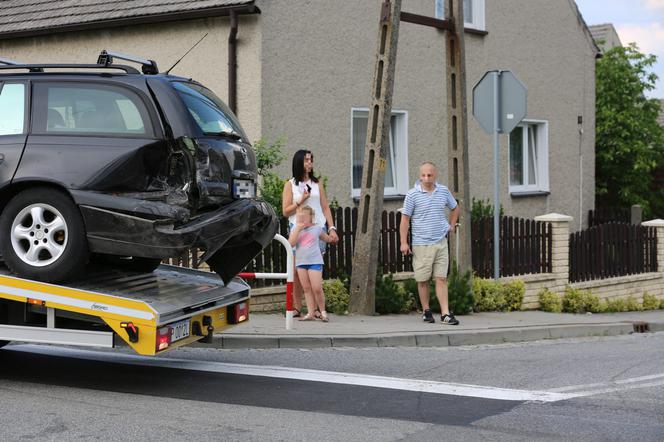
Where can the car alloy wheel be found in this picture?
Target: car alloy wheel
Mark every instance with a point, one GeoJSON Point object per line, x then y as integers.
{"type": "Point", "coordinates": [39, 234]}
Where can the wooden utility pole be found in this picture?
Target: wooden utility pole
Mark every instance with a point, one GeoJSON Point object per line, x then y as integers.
{"type": "Point", "coordinates": [457, 128]}
{"type": "Point", "coordinates": [365, 255]}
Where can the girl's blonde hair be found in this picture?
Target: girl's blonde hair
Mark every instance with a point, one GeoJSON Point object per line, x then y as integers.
{"type": "Point", "coordinates": [310, 211]}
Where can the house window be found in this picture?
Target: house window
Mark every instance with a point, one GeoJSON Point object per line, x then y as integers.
{"type": "Point", "coordinates": [396, 168]}
{"type": "Point", "coordinates": [529, 157]}
{"type": "Point", "coordinates": [473, 13]}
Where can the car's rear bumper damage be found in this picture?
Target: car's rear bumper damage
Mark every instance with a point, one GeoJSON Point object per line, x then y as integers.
{"type": "Point", "coordinates": [230, 236]}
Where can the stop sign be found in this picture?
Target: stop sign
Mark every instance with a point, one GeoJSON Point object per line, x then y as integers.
{"type": "Point", "coordinates": [510, 94]}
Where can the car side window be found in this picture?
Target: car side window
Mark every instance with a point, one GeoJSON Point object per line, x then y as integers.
{"type": "Point", "coordinates": [90, 109]}
{"type": "Point", "coordinates": [12, 108]}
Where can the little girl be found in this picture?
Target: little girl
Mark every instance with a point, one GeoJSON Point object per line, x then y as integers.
{"type": "Point", "coordinates": [309, 261]}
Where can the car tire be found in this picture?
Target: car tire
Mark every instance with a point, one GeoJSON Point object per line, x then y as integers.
{"type": "Point", "coordinates": [42, 236]}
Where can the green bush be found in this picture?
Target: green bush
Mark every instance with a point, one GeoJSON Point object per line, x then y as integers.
{"type": "Point", "coordinates": [514, 291]}
{"type": "Point", "coordinates": [650, 302]}
{"type": "Point", "coordinates": [549, 301]}
{"type": "Point", "coordinates": [616, 305]}
{"type": "Point", "coordinates": [492, 296]}
{"type": "Point", "coordinates": [633, 305]}
{"type": "Point", "coordinates": [480, 209]}
{"type": "Point", "coordinates": [487, 295]}
{"type": "Point", "coordinates": [391, 297]}
{"type": "Point", "coordinates": [459, 292]}
{"type": "Point", "coordinates": [661, 304]}
{"type": "Point", "coordinates": [336, 296]}
{"type": "Point", "coordinates": [580, 301]}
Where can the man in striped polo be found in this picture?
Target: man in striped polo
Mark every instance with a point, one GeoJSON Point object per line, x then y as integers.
{"type": "Point", "coordinates": [426, 205]}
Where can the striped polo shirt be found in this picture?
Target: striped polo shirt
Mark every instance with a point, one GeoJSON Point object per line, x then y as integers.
{"type": "Point", "coordinates": [427, 213]}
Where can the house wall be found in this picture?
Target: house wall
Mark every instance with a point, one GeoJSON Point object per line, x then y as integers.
{"type": "Point", "coordinates": [543, 43]}
{"type": "Point", "coordinates": [165, 43]}
{"type": "Point", "coordinates": [318, 59]}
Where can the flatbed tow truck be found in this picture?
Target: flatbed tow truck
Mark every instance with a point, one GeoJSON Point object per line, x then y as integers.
{"type": "Point", "coordinates": [151, 312]}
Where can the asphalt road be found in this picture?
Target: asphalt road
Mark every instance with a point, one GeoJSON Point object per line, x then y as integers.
{"type": "Point", "coordinates": [589, 389]}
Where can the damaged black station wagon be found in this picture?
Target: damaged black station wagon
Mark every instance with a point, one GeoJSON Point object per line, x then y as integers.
{"type": "Point", "coordinates": [102, 160]}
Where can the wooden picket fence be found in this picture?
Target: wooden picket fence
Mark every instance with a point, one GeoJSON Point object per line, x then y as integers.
{"type": "Point", "coordinates": [525, 246]}
{"type": "Point", "coordinates": [339, 257]}
{"type": "Point", "coordinates": [610, 250]}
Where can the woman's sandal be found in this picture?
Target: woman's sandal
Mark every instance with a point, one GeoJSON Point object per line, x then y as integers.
{"type": "Point", "coordinates": [297, 313]}
{"type": "Point", "coordinates": [307, 317]}
{"type": "Point", "coordinates": [317, 314]}
{"type": "Point", "coordinates": [323, 317]}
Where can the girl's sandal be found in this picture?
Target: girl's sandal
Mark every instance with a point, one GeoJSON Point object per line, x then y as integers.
{"type": "Point", "coordinates": [323, 317]}
{"type": "Point", "coordinates": [307, 317]}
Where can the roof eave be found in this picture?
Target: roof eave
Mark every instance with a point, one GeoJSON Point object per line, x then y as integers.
{"type": "Point", "coordinates": [219, 11]}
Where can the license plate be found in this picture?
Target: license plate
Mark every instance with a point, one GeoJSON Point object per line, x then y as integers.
{"type": "Point", "coordinates": [244, 189]}
{"type": "Point", "coordinates": [179, 330]}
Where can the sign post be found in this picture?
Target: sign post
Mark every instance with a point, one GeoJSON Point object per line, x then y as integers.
{"type": "Point", "coordinates": [499, 105]}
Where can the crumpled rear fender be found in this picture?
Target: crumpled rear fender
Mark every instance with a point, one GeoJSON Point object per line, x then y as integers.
{"type": "Point", "coordinates": [231, 236]}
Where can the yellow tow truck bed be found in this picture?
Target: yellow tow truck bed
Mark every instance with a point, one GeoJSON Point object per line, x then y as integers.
{"type": "Point", "coordinates": [152, 312]}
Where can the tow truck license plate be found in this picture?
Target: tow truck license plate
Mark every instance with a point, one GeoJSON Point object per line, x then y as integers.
{"type": "Point", "coordinates": [180, 330]}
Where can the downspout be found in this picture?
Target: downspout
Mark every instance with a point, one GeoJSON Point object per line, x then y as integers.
{"type": "Point", "coordinates": [232, 63]}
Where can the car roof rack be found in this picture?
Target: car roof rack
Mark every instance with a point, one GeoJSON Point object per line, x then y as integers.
{"type": "Point", "coordinates": [11, 64]}
{"type": "Point", "coordinates": [148, 67]}
{"type": "Point", "coordinates": [41, 66]}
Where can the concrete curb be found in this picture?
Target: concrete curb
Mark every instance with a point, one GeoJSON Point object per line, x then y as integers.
{"type": "Point", "coordinates": [437, 339]}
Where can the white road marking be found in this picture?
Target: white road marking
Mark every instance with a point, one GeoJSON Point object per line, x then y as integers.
{"type": "Point", "coordinates": [613, 386]}
{"type": "Point", "coordinates": [423, 386]}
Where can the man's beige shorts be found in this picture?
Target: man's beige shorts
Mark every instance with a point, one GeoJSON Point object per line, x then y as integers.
{"type": "Point", "coordinates": [430, 259]}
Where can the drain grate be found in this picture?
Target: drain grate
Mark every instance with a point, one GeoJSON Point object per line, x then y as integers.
{"type": "Point", "coordinates": [640, 327]}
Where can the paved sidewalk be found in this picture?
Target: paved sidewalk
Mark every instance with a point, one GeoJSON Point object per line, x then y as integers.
{"type": "Point", "coordinates": [269, 331]}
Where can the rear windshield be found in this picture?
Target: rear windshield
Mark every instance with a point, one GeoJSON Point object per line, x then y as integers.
{"type": "Point", "coordinates": [208, 111]}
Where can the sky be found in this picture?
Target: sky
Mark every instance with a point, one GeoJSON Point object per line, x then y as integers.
{"type": "Point", "coordinates": [640, 21]}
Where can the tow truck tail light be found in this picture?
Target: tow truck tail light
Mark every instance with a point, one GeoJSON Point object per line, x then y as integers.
{"type": "Point", "coordinates": [238, 312]}
{"type": "Point", "coordinates": [163, 338]}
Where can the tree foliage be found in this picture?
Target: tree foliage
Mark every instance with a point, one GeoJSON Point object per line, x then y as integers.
{"type": "Point", "coordinates": [269, 156]}
{"type": "Point", "coordinates": [629, 142]}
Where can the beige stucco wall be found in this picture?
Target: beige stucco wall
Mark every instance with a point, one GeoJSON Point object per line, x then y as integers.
{"type": "Point", "coordinates": [318, 59]}
{"type": "Point", "coordinates": [544, 46]}
{"type": "Point", "coordinates": [165, 43]}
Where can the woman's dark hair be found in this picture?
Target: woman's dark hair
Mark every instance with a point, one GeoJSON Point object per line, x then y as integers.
{"type": "Point", "coordinates": [298, 166]}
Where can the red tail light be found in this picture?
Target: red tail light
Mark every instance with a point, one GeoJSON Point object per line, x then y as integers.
{"type": "Point", "coordinates": [238, 312]}
{"type": "Point", "coordinates": [163, 338]}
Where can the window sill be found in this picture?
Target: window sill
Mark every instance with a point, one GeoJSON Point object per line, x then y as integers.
{"type": "Point", "coordinates": [399, 197]}
{"type": "Point", "coordinates": [475, 31]}
{"type": "Point", "coordinates": [529, 193]}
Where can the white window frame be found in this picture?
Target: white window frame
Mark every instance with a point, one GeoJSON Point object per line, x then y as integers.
{"type": "Point", "coordinates": [399, 152]}
{"type": "Point", "coordinates": [478, 8]}
{"type": "Point", "coordinates": [542, 184]}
